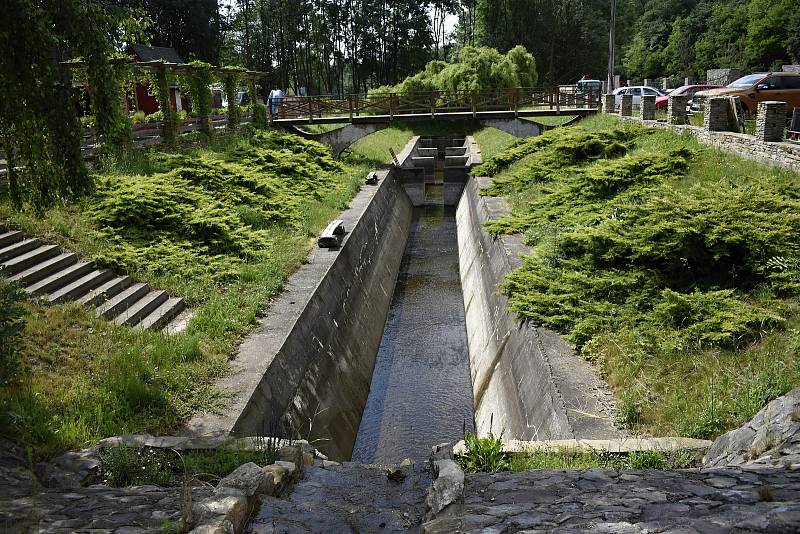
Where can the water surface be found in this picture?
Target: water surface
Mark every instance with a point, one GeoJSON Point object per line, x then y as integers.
{"type": "Point", "coordinates": [421, 393]}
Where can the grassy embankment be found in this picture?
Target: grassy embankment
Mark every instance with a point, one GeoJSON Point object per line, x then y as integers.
{"type": "Point", "coordinates": [672, 266]}
{"type": "Point", "coordinates": [221, 225]}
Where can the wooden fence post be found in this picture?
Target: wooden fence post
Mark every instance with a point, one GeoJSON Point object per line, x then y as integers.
{"type": "Point", "coordinates": [433, 103]}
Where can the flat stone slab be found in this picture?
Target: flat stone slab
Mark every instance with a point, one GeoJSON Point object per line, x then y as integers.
{"type": "Point", "coordinates": [140, 509]}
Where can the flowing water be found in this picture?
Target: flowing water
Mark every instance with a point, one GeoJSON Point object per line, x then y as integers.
{"type": "Point", "coordinates": [421, 392]}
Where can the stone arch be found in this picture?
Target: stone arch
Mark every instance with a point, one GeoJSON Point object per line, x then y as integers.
{"type": "Point", "coordinates": [341, 138]}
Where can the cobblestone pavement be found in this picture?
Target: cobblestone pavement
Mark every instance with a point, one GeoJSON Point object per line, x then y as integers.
{"type": "Point", "coordinates": [26, 506]}
{"type": "Point", "coordinates": [348, 498]}
{"type": "Point", "coordinates": [598, 500]}
{"type": "Point", "coordinates": [131, 510]}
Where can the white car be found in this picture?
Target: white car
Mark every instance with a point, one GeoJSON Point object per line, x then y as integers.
{"type": "Point", "coordinates": [637, 91]}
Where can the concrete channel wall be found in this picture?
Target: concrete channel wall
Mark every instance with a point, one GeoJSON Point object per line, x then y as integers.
{"type": "Point", "coordinates": [310, 361]}
{"type": "Point", "coordinates": [527, 382]}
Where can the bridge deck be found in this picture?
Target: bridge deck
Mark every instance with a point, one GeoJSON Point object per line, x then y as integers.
{"type": "Point", "coordinates": [456, 115]}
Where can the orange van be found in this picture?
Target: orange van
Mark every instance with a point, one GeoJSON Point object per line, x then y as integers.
{"type": "Point", "coordinates": [755, 88]}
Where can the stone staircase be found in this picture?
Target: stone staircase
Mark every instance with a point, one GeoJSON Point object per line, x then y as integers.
{"type": "Point", "coordinates": [56, 276]}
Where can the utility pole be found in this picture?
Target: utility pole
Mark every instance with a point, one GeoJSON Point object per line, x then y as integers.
{"type": "Point", "coordinates": [611, 40]}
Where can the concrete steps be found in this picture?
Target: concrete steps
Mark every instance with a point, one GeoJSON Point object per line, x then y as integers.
{"type": "Point", "coordinates": [57, 276]}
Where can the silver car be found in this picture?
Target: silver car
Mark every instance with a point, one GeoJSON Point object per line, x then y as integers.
{"type": "Point", "coordinates": [636, 91]}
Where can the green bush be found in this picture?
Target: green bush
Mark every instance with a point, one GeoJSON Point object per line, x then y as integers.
{"type": "Point", "coordinates": [127, 466]}
{"type": "Point", "coordinates": [12, 323]}
{"type": "Point", "coordinates": [205, 217]}
{"type": "Point", "coordinates": [653, 255]}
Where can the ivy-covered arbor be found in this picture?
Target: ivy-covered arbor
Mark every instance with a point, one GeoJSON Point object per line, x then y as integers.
{"type": "Point", "coordinates": [52, 52]}
{"type": "Point", "coordinates": [194, 79]}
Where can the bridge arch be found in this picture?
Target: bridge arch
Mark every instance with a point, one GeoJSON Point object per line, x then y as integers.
{"type": "Point", "coordinates": [341, 138]}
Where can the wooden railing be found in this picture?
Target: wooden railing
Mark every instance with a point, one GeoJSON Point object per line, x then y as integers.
{"type": "Point", "coordinates": [391, 104]}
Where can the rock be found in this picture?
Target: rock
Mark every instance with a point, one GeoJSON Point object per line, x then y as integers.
{"type": "Point", "coordinates": [308, 458]}
{"type": "Point", "coordinates": [291, 453]}
{"type": "Point", "coordinates": [291, 469]}
{"type": "Point", "coordinates": [279, 473]}
{"type": "Point", "coordinates": [330, 463]}
{"type": "Point", "coordinates": [217, 508]}
{"type": "Point", "coordinates": [443, 451]}
{"type": "Point", "coordinates": [396, 475]}
{"type": "Point", "coordinates": [446, 489]}
{"type": "Point", "coordinates": [70, 470]}
{"type": "Point", "coordinates": [219, 527]}
{"type": "Point", "coordinates": [248, 479]}
{"type": "Point", "coordinates": [767, 439]}
{"type": "Point", "coordinates": [408, 462]}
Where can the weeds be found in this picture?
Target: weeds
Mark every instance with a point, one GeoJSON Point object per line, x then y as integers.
{"type": "Point", "coordinates": [12, 323]}
{"type": "Point", "coordinates": [127, 466]}
{"type": "Point", "coordinates": [483, 454]}
{"type": "Point", "coordinates": [567, 458]}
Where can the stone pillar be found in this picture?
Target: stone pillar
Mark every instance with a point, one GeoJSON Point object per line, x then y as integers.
{"type": "Point", "coordinates": [676, 109]}
{"type": "Point", "coordinates": [716, 114]}
{"type": "Point", "coordinates": [608, 103]}
{"type": "Point", "coordinates": [771, 121]}
{"type": "Point", "coordinates": [647, 107]}
{"type": "Point", "coordinates": [626, 107]}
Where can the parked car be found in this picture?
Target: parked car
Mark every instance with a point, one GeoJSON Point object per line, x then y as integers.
{"type": "Point", "coordinates": [589, 86]}
{"type": "Point", "coordinates": [637, 91]}
{"type": "Point", "coordinates": [755, 88]}
{"type": "Point", "coordinates": [686, 90]}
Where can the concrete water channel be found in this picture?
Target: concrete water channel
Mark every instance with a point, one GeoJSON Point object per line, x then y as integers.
{"type": "Point", "coordinates": [399, 339]}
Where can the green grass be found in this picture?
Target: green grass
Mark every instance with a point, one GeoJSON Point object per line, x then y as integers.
{"type": "Point", "coordinates": [221, 225]}
{"type": "Point", "coordinates": [374, 149]}
{"type": "Point", "coordinates": [321, 128]}
{"type": "Point", "coordinates": [485, 455]}
{"type": "Point", "coordinates": [492, 141]}
{"type": "Point", "coordinates": [555, 120]}
{"type": "Point", "coordinates": [587, 459]}
{"type": "Point", "coordinates": [125, 466]}
{"type": "Point", "coordinates": [672, 265]}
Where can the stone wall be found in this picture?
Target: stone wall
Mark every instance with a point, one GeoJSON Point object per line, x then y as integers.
{"type": "Point", "coordinates": [785, 155]}
{"type": "Point", "coordinates": [310, 360]}
{"type": "Point", "coordinates": [723, 76]}
{"type": "Point", "coordinates": [527, 381]}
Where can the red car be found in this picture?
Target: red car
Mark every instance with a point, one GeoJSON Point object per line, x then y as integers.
{"type": "Point", "coordinates": [689, 90]}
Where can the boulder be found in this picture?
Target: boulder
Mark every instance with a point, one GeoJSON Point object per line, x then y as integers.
{"type": "Point", "coordinates": [770, 438]}
{"type": "Point", "coordinates": [447, 489]}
